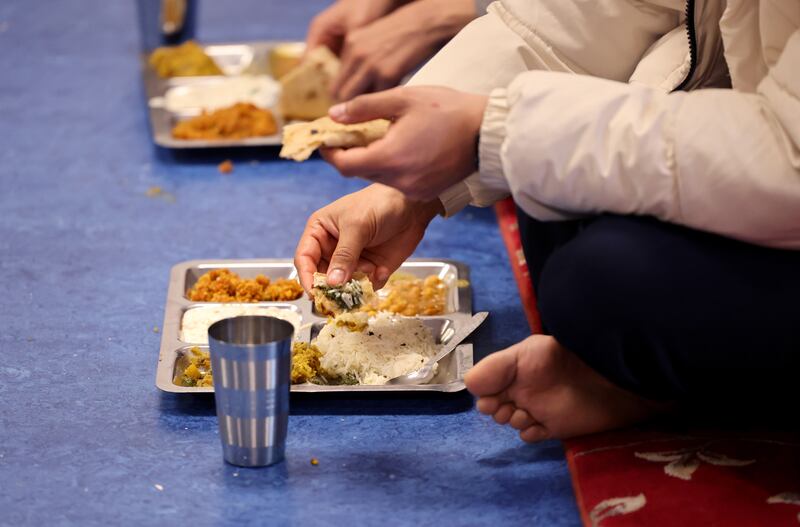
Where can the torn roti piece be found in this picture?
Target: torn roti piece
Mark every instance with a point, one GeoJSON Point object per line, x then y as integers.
{"type": "Point", "coordinates": [305, 89]}
{"type": "Point", "coordinates": [333, 300]}
{"type": "Point", "coordinates": [301, 139]}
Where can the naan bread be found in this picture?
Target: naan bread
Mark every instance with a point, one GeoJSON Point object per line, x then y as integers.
{"type": "Point", "coordinates": [350, 296]}
{"type": "Point", "coordinates": [301, 139]}
{"type": "Point", "coordinates": [305, 89]}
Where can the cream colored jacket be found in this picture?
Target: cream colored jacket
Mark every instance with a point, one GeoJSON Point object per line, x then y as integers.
{"type": "Point", "coordinates": [688, 111]}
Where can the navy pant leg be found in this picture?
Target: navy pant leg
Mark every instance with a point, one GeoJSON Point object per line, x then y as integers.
{"type": "Point", "coordinates": [671, 313]}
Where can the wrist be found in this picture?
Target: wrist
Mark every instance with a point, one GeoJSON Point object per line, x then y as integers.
{"type": "Point", "coordinates": [425, 211]}
{"type": "Point", "coordinates": [434, 208]}
{"type": "Point", "coordinates": [436, 21]}
{"type": "Point", "coordinates": [448, 17]}
{"type": "Point", "coordinates": [372, 9]}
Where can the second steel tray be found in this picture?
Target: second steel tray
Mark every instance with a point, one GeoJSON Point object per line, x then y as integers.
{"type": "Point", "coordinates": [234, 59]}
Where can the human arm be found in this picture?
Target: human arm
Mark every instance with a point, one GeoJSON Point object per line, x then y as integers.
{"type": "Point", "coordinates": [331, 26]}
{"type": "Point", "coordinates": [605, 38]}
{"type": "Point", "coordinates": [430, 145]}
{"type": "Point", "coordinates": [722, 161]}
{"type": "Point", "coordinates": [373, 230]}
{"type": "Point", "coordinates": [376, 56]}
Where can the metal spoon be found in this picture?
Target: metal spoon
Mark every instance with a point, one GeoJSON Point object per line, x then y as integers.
{"type": "Point", "coordinates": [425, 373]}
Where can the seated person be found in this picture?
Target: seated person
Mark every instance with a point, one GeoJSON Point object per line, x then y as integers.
{"type": "Point", "coordinates": [660, 216]}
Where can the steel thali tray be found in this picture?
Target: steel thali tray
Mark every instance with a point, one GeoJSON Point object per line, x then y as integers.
{"type": "Point", "coordinates": [234, 59]}
{"type": "Point", "coordinates": [458, 311]}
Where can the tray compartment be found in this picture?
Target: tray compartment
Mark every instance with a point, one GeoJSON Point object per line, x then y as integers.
{"type": "Point", "coordinates": [442, 329]}
{"type": "Point", "coordinates": [447, 272]}
{"type": "Point", "coordinates": [196, 309]}
{"type": "Point", "coordinates": [272, 270]}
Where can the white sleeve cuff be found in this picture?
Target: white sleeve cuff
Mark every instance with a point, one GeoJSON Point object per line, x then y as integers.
{"type": "Point", "coordinates": [488, 185]}
{"type": "Point", "coordinates": [490, 147]}
{"type": "Point", "coordinates": [455, 198]}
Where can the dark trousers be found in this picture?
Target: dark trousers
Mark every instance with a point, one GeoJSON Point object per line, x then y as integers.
{"type": "Point", "coordinates": [668, 312]}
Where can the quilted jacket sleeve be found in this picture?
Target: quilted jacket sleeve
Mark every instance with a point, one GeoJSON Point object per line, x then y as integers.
{"type": "Point", "coordinates": [604, 38]}
{"type": "Point", "coordinates": [717, 160]}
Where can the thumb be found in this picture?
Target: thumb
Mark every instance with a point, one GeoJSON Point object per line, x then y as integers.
{"type": "Point", "coordinates": [387, 105]}
{"type": "Point", "coordinates": [345, 257]}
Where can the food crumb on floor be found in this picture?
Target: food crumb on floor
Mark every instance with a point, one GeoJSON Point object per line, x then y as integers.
{"type": "Point", "coordinates": [226, 167]}
{"type": "Point", "coordinates": [156, 329]}
{"type": "Point", "coordinates": [158, 192]}
{"type": "Point", "coordinates": [159, 487]}
{"type": "Point", "coordinates": [314, 461]}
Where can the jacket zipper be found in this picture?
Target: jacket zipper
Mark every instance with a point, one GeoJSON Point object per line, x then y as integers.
{"type": "Point", "coordinates": [691, 33]}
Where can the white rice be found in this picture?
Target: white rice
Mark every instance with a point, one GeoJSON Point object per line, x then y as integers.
{"type": "Point", "coordinates": [390, 346]}
{"type": "Point", "coordinates": [196, 321]}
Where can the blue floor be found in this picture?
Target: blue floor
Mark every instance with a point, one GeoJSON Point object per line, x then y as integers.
{"type": "Point", "coordinates": [85, 436]}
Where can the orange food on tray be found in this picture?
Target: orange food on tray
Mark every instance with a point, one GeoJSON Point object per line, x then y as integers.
{"type": "Point", "coordinates": [408, 295]}
{"type": "Point", "coordinates": [240, 121]}
{"type": "Point", "coordinates": [223, 285]}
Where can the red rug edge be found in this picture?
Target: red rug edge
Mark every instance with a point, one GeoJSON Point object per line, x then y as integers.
{"type": "Point", "coordinates": [506, 212]}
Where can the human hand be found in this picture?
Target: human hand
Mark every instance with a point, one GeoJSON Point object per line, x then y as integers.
{"type": "Point", "coordinates": [330, 27]}
{"type": "Point", "coordinates": [430, 146]}
{"type": "Point", "coordinates": [373, 230]}
{"type": "Point", "coordinates": [376, 56]}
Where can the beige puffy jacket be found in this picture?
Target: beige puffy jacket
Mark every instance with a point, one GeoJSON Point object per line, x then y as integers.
{"type": "Point", "coordinates": [688, 111]}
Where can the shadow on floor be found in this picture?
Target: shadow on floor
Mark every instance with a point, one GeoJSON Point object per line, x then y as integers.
{"type": "Point", "coordinates": [336, 404]}
{"type": "Point", "coordinates": [203, 156]}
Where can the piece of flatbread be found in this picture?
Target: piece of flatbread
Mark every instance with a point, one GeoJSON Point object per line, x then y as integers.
{"type": "Point", "coordinates": [305, 89]}
{"type": "Point", "coordinates": [301, 139]}
{"type": "Point", "coordinates": [350, 296]}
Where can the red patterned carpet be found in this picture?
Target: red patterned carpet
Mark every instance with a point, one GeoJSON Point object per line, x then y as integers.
{"type": "Point", "coordinates": [673, 474]}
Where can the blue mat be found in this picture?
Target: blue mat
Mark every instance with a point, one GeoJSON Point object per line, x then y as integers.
{"type": "Point", "coordinates": [85, 256]}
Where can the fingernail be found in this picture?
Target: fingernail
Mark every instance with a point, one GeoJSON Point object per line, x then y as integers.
{"type": "Point", "coordinates": [382, 274]}
{"type": "Point", "coordinates": [336, 277]}
{"type": "Point", "coordinates": [337, 111]}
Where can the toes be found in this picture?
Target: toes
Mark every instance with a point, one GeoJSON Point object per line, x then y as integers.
{"type": "Point", "coordinates": [493, 374]}
{"type": "Point", "coordinates": [534, 434]}
{"type": "Point", "coordinates": [503, 414]}
{"type": "Point", "coordinates": [489, 404]}
{"type": "Point", "coordinates": [521, 419]}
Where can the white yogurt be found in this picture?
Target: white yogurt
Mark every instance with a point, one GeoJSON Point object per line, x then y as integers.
{"type": "Point", "coordinates": [261, 90]}
{"type": "Point", "coordinates": [196, 321]}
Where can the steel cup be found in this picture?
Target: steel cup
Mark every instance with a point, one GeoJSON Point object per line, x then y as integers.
{"type": "Point", "coordinates": [251, 363]}
{"type": "Point", "coordinates": [166, 22]}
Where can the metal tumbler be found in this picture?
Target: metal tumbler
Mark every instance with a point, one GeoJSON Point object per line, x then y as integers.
{"type": "Point", "coordinates": [251, 362]}
{"type": "Point", "coordinates": [166, 22]}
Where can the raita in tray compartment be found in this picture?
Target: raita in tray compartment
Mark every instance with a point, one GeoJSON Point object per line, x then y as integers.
{"type": "Point", "coordinates": [197, 319]}
{"type": "Point", "coordinates": [184, 99]}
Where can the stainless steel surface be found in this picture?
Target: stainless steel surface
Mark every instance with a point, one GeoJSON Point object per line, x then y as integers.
{"type": "Point", "coordinates": [234, 59]}
{"type": "Point", "coordinates": [458, 311]}
{"type": "Point", "coordinates": [426, 373]}
{"type": "Point", "coordinates": [251, 358]}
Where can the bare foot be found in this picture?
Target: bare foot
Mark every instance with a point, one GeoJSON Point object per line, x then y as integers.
{"type": "Point", "coordinates": [545, 391]}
